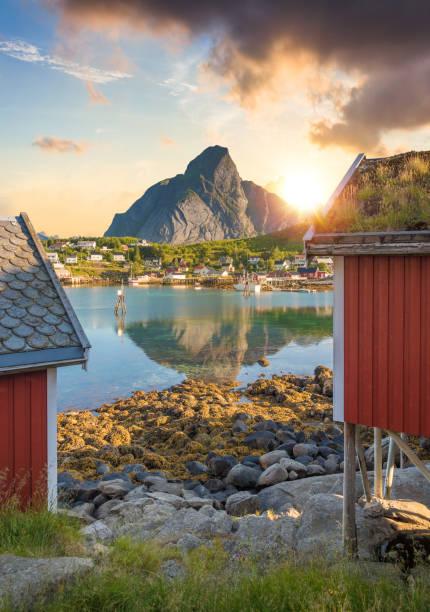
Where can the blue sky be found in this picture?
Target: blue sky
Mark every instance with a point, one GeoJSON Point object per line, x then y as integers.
{"type": "Point", "coordinates": [88, 122]}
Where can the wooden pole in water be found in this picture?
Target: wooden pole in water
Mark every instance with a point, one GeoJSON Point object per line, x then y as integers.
{"type": "Point", "coordinates": [349, 531]}
{"type": "Point", "coordinates": [120, 302]}
{"type": "Point", "coordinates": [377, 455]}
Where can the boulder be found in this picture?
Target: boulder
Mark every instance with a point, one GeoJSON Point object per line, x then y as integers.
{"type": "Point", "coordinates": [242, 477]}
{"type": "Point", "coordinates": [103, 510]}
{"type": "Point", "coordinates": [283, 435]}
{"type": "Point", "coordinates": [220, 466]}
{"type": "Point", "coordinates": [153, 477]}
{"type": "Point", "coordinates": [315, 470]}
{"type": "Point", "coordinates": [267, 425]}
{"type": "Point", "coordinates": [262, 535]}
{"type": "Point", "coordinates": [115, 488]}
{"type": "Point", "coordinates": [301, 449]}
{"type": "Point", "coordinates": [97, 531]}
{"type": "Point", "coordinates": [85, 491]}
{"type": "Point", "coordinates": [22, 579]}
{"type": "Point", "coordinates": [134, 468]}
{"type": "Point", "coordinates": [290, 465]}
{"type": "Point", "coordinates": [261, 440]}
{"type": "Point", "coordinates": [195, 468]}
{"type": "Point", "coordinates": [269, 459]}
{"type": "Point", "coordinates": [168, 498]}
{"type": "Point", "coordinates": [239, 427]}
{"type": "Point", "coordinates": [304, 459]}
{"type": "Point", "coordinates": [83, 511]}
{"type": "Point", "coordinates": [189, 542]}
{"type": "Point", "coordinates": [274, 474]}
{"type": "Point", "coordinates": [369, 453]}
{"type": "Point", "coordinates": [116, 476]}
{"type": "Point", "coordinates": [137, 493]}
{"type": "Point", "coordinates": [214, 484]}
{"type": "Point", "coordinates": [242, 503]}
{"type": "Point", "coordinates": [175, 488]}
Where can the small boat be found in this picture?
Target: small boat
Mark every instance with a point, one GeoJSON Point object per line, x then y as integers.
{"type": "Point", "coordinates": [197, 286]}
{"type": "Point", "coordinates": [134, 281]}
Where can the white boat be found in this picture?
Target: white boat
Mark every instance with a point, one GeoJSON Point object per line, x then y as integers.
{"type": "Point", "coordinates": [138, 280]}
{"type": "Point", "coordinates": [197, 286]}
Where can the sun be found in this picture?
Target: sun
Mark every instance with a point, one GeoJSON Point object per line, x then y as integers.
{"type": "Point", "coordinates": [302, 189]}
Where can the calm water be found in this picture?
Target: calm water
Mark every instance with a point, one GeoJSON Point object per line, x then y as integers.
{"type": "Point", "coordinates": [173, 333]}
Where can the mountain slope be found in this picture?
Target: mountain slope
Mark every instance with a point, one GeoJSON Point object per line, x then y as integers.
{"type": "Point", "coordinates": [208, 202]}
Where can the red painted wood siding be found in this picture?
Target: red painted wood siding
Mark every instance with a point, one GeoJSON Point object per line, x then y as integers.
{"type": "Point", "coordinates": [23, 434]}
{"type": "Point", "coordinates": [387, 342]}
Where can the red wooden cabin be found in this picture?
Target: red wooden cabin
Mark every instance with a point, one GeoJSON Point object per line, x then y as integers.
{"type": "Point", "coordinates": [376, 226]}
{"type": "Point", "coordinates": [39, 332]}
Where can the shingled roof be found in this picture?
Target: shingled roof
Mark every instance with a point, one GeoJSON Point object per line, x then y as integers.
{"type": "Point", "coordinates": [382, 205]}
{"type": "Point", "coordinates": [38, 326]}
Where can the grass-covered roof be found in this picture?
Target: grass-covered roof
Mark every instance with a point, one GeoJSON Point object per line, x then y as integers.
{"type": "Point", "coordinates": [383, 195]}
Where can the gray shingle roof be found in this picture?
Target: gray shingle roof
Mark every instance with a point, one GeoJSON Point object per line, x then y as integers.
{"type": "Point", "coordinates": [37, 323]}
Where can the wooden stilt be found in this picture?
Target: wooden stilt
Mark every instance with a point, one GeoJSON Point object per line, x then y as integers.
{"type": "Point", "coordinates": [120, 302]}
{"type": "Point", "coordinates": [362, 464]}
{"type": "Point", "coordinates": [349, 533]}
{"type": "Point", "coordinates": [410, 454]}
{"type": "Point", "coordinates": [378, 462]}
{"type": "Point", "coordinates": [403, 459]}
{"type": "Point", "coordinates": [389, 474]}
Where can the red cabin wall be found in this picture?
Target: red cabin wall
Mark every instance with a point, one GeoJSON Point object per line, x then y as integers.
{"type": "Point", "coordinates": [387, 342]}
{"type": "Point", "coordinates": [23, 434]}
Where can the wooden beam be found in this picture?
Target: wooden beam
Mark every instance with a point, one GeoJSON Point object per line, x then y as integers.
{"type": "Point", "coordinates": [377, 454]}
{"type": "Point", "coordinates": [362, 464]}
{"type": "Point", "coordinates": [403, 458]}
{"type": "Point", "coordinates": [389, 473]}
{"type": "Point", "coordinates": [410, 454]}
{"type": "Point", "coordinates": [349, 530]}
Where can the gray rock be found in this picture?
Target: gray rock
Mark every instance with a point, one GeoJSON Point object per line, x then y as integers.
{"type": "Point", "coordinates": [305, 449]}
{"type": "Point", "coordinates": [102, 468]}
{"type": "Point", "coordinates": [22, 579]}
{"type": "Point", "coordinates": [242, 503]}
{"type": "Point", "coordinates": [134, 468]}
{"type": "Point", "coordinates": [284, 435]}
{"type": "Point", "coordinates": [369, 453]}
{"type": "Point", "coordinates": [214, 484]}
{"type": "Point", "coordinates": [83, 512]}
{"type": "Point", "coordinates": [103, 510]}
{"type": "Point", "coordinates": [175, 488]}
{"type": "Point", "coordinates": [97, 531]}
{"type": "Point", "coordinates": [189, 542]}
{"type": "Point", "coordinates": [269, 459]}
{"type": "Point", "coordinates": [262, 535]}
{"type": "Point", "coordinates": [116, 476]}
{"type": "Point", "coordinates": [274, 474]}
{"type": "Point", "coordinates": [267, 425]}
{"type": "Point", "coordinates": [242, 477]}
{"type": "Point", "coordinates": [168, 498]}
{"type": "Point", "coordinates": [315, 470]}
{"type": "Point", "coordinates": [172, 570]}
{"type": "Point", "coordinates": [100, 499]}
{"type": "Point", "coordinates": [140, 476]}
{"type": "Point", "coordinates": [137, 493]}
{"type": "Point", "coordinates": [239, 427]}
{"type": "Point", "coordinates": [292, 475]}
{"type": "Point", "coordinates": [220, 466]}
{"type": "Point", "coordinates": [86, 491]}
{"type": "Point", "coordinates": [115, 488]}
{"type": "Point", "coordinates": [197, 502]}
{"type": "Point", "coordinates": [261, 440]}
{"type": "Point", "coordinates": [291, 464]}
{"type": "Point", "coordinates": [195, 468]}
{"type": "Point", "coordinates": [304, 459]}
{"type": "Point", "coordinates": [151, 479]}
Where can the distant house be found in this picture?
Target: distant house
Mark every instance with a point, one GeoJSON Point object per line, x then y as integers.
{"type": "Point", "coordinates": [71, 259]}
{"type": "Point", "coordinates": [141, 243]}
{"type": "Point", "coordinates": [63, 273]}
{"type": "Point", "coordinates": [300, 260]}
{"type": "Point", "coordinates": [53, 257]}
{"type": "Point", "coordinates": [59, 245]}
{"type": "Point", "coordinates": [124, 247]}
{"type": "Point", "coordinates": [328, 261]}
{"type": "Point", "coordinates": [209, 271]}
{"type": "Point", "coordinates": [153, 262]}
{"type": "Point", "coordinates": [86, 245]}
{"type": "Point", "coordinates": [227, 267]}
{"type": "Point", "coordinates": [95, 257]}
{"type": "Point", "coordinates": [178, 264]}
{"type": "Point", "coordinates": [225, 260]}
{"type": "Point", "coordinates": [118, 257]}
{"type": "Point", "coordinates": [281, 264]}
{"type": "Point", "coordinates": [311, 273]}
{"type": "Point", "coordinates": [254, 260]}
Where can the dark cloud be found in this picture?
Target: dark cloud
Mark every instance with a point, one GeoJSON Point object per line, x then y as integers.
{"type": "Point", "coordinates": [384, 41]}
{"type": "Point", "coordinates": [51, 144]}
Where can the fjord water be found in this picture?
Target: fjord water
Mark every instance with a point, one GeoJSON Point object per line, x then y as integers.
{"type": "Point", "coordinates": [170, 333]}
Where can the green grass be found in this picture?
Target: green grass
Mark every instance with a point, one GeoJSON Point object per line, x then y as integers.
{"type": "Point", "coordinates": [130, 580]}
{"type": "Point", "coordinates": [37, 532]}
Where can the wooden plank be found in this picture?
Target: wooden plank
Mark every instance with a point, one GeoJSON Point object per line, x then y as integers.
{"type": "Point", "coordinates": [411, 455]}
{"type": "Point", "coordinates": [389, 473]}
{"type": "Point", "coordinates": [425, 348]}
{"type": "Point", "coordinates": [351, 339]}
{"type": "Point", "coordinates": [21, 436]}
{"type": "Point", "coordinates": [412, 347]}
{"type": "Point", "coordinates": [397, 249]}
{"type": "Point", "coordinates": [365, 340]}
{"type": "Point", "coordinates": [380, 342]}
{"type": "Point", "coordinates": [6, 433]}
{"type": "Point", "coordinates": [349, 530]}
{"type": "Point", "coordinates": [362, 464]}
{"type": "Point", "coordinates": [38, 433]}
{"type": "Point", "coordinates": [396, 292]}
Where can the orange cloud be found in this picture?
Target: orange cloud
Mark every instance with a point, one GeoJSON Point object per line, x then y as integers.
{"type": "Point", "coordinates": [96, 95]}
{"type": "Point", "coordinates": [51, 144]}
{"type": "Point", "coordinates": [168, 142]}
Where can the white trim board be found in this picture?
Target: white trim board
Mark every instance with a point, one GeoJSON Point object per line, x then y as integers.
{"type": "Point", "coordinates": [338, 340]}
{"type": "Point", "coordinates": [51, 417]}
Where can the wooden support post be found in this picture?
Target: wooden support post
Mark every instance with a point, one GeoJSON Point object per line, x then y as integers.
{"type": "Point", "coordinates": [377, 438]}
{"type": "Point", "coordinates": [403, 459]}
{"type": "Point", "coordinates": [349, 532]}
{"type": "Point", "coordinates": [362, 464]}
{"type": "Point", "coordinates": [410, 455]}
{"type": "Point", "coordinates": [389, 474]}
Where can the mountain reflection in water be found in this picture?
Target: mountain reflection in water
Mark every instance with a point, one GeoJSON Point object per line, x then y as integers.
{"type": "Point", "coordinates": [171, 333]}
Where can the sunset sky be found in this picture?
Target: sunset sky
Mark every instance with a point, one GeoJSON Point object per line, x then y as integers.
{"type": "Point", "coordinates": [102, 98]}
